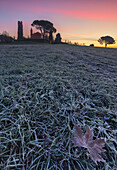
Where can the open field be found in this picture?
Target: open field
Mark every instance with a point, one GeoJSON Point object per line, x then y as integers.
{"type": "Point", "coordinates": [45, 90]}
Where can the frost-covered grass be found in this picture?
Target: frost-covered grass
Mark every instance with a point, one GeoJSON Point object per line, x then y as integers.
{"type": "Point", "coordinates": [47, 89]}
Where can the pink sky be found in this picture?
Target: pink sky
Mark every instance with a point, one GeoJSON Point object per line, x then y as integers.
{"type": "Point", "coordinates": [78, 21]}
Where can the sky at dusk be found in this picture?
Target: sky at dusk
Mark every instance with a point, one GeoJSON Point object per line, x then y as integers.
{"type": "Point", "coordinates": [82, 21]}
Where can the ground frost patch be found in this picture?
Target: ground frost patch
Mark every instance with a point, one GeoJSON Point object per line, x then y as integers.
{"type": "Point", "coordinates": [44, 92]}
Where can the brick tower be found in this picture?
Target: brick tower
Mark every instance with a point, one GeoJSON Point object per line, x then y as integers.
{"type": "Point", "coordinates": [20, 30]}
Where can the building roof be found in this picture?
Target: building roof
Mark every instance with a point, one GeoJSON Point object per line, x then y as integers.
{"type": "Point", "coordinates": [36, 33]}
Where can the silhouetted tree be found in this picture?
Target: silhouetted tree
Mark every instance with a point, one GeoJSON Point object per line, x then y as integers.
{"type": "Point", "coordinates": [58, 38]}
{"type": "Point", "coordinates": [45, 27]}
{"type": "Point", "coordinates": [106, 40]}
{"type": "Point", "coordinates": [4, 37]}
{"type": "Point", "coordinates": [50, 37]}
{"type": "Point", "coordinates": [91, 45]}
{"type": "Point", "coordinates": [75, 43]}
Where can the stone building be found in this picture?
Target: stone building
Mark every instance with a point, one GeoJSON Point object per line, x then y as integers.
{"type": "Point", "coordinates": [20, 30]}
{"type": "Point", "coordinates": [35, 35]}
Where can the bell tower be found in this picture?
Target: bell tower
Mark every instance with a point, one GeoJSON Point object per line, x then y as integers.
{"type": "Point", "coordinates": [20, 30]}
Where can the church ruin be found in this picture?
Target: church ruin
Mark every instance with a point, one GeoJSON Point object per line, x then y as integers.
{"type": "Point", "coordinates": [20, 30]}
{"type": "Point", "coordinates": [36, 35]}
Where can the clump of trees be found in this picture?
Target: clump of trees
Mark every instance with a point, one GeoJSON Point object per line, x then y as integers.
{"type": "Point", "coordinates": [45, 27]}
{"type": "Point", "coordinates": [4, 37]}
{"type": "Point", "coordinates": [106, 40]}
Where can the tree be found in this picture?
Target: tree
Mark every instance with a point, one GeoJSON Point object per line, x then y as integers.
{"type": "Point", "coordinates": [4, 37]}
{"type": "Point", "coordinates": [91, 45]}
{"type": "Point", "coordinates": [58, 38]}
{"type": "Point", "coordinates": [106, 40]}
{"type": "Point", "coordinates": [45, 27]}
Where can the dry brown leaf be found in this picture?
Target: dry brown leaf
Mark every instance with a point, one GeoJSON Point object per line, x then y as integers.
{"type": "Point", "coordinates": [94, 146]}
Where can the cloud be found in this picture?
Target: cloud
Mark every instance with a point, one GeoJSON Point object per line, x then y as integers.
{"type": "Point", "coordinates": [78, 10]}
{"type": "Point", "coordinates": [93, 15]}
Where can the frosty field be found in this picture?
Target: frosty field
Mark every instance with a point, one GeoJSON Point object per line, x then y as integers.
{"type": "Point", "coordinates": [45, 90]}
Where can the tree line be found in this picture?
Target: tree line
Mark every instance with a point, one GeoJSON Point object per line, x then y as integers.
{"type": "Point", "coordinates": [47, 27]}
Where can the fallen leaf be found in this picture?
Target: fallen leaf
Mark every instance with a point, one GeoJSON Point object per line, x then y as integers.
{"type": "Point", "coordinates": [95, 147]}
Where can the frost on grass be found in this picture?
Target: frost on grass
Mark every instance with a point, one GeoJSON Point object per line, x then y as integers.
{"type": "Point", "coordinates": [44, 91]}
{"type": "Point", "coordinates": [95, 147]}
